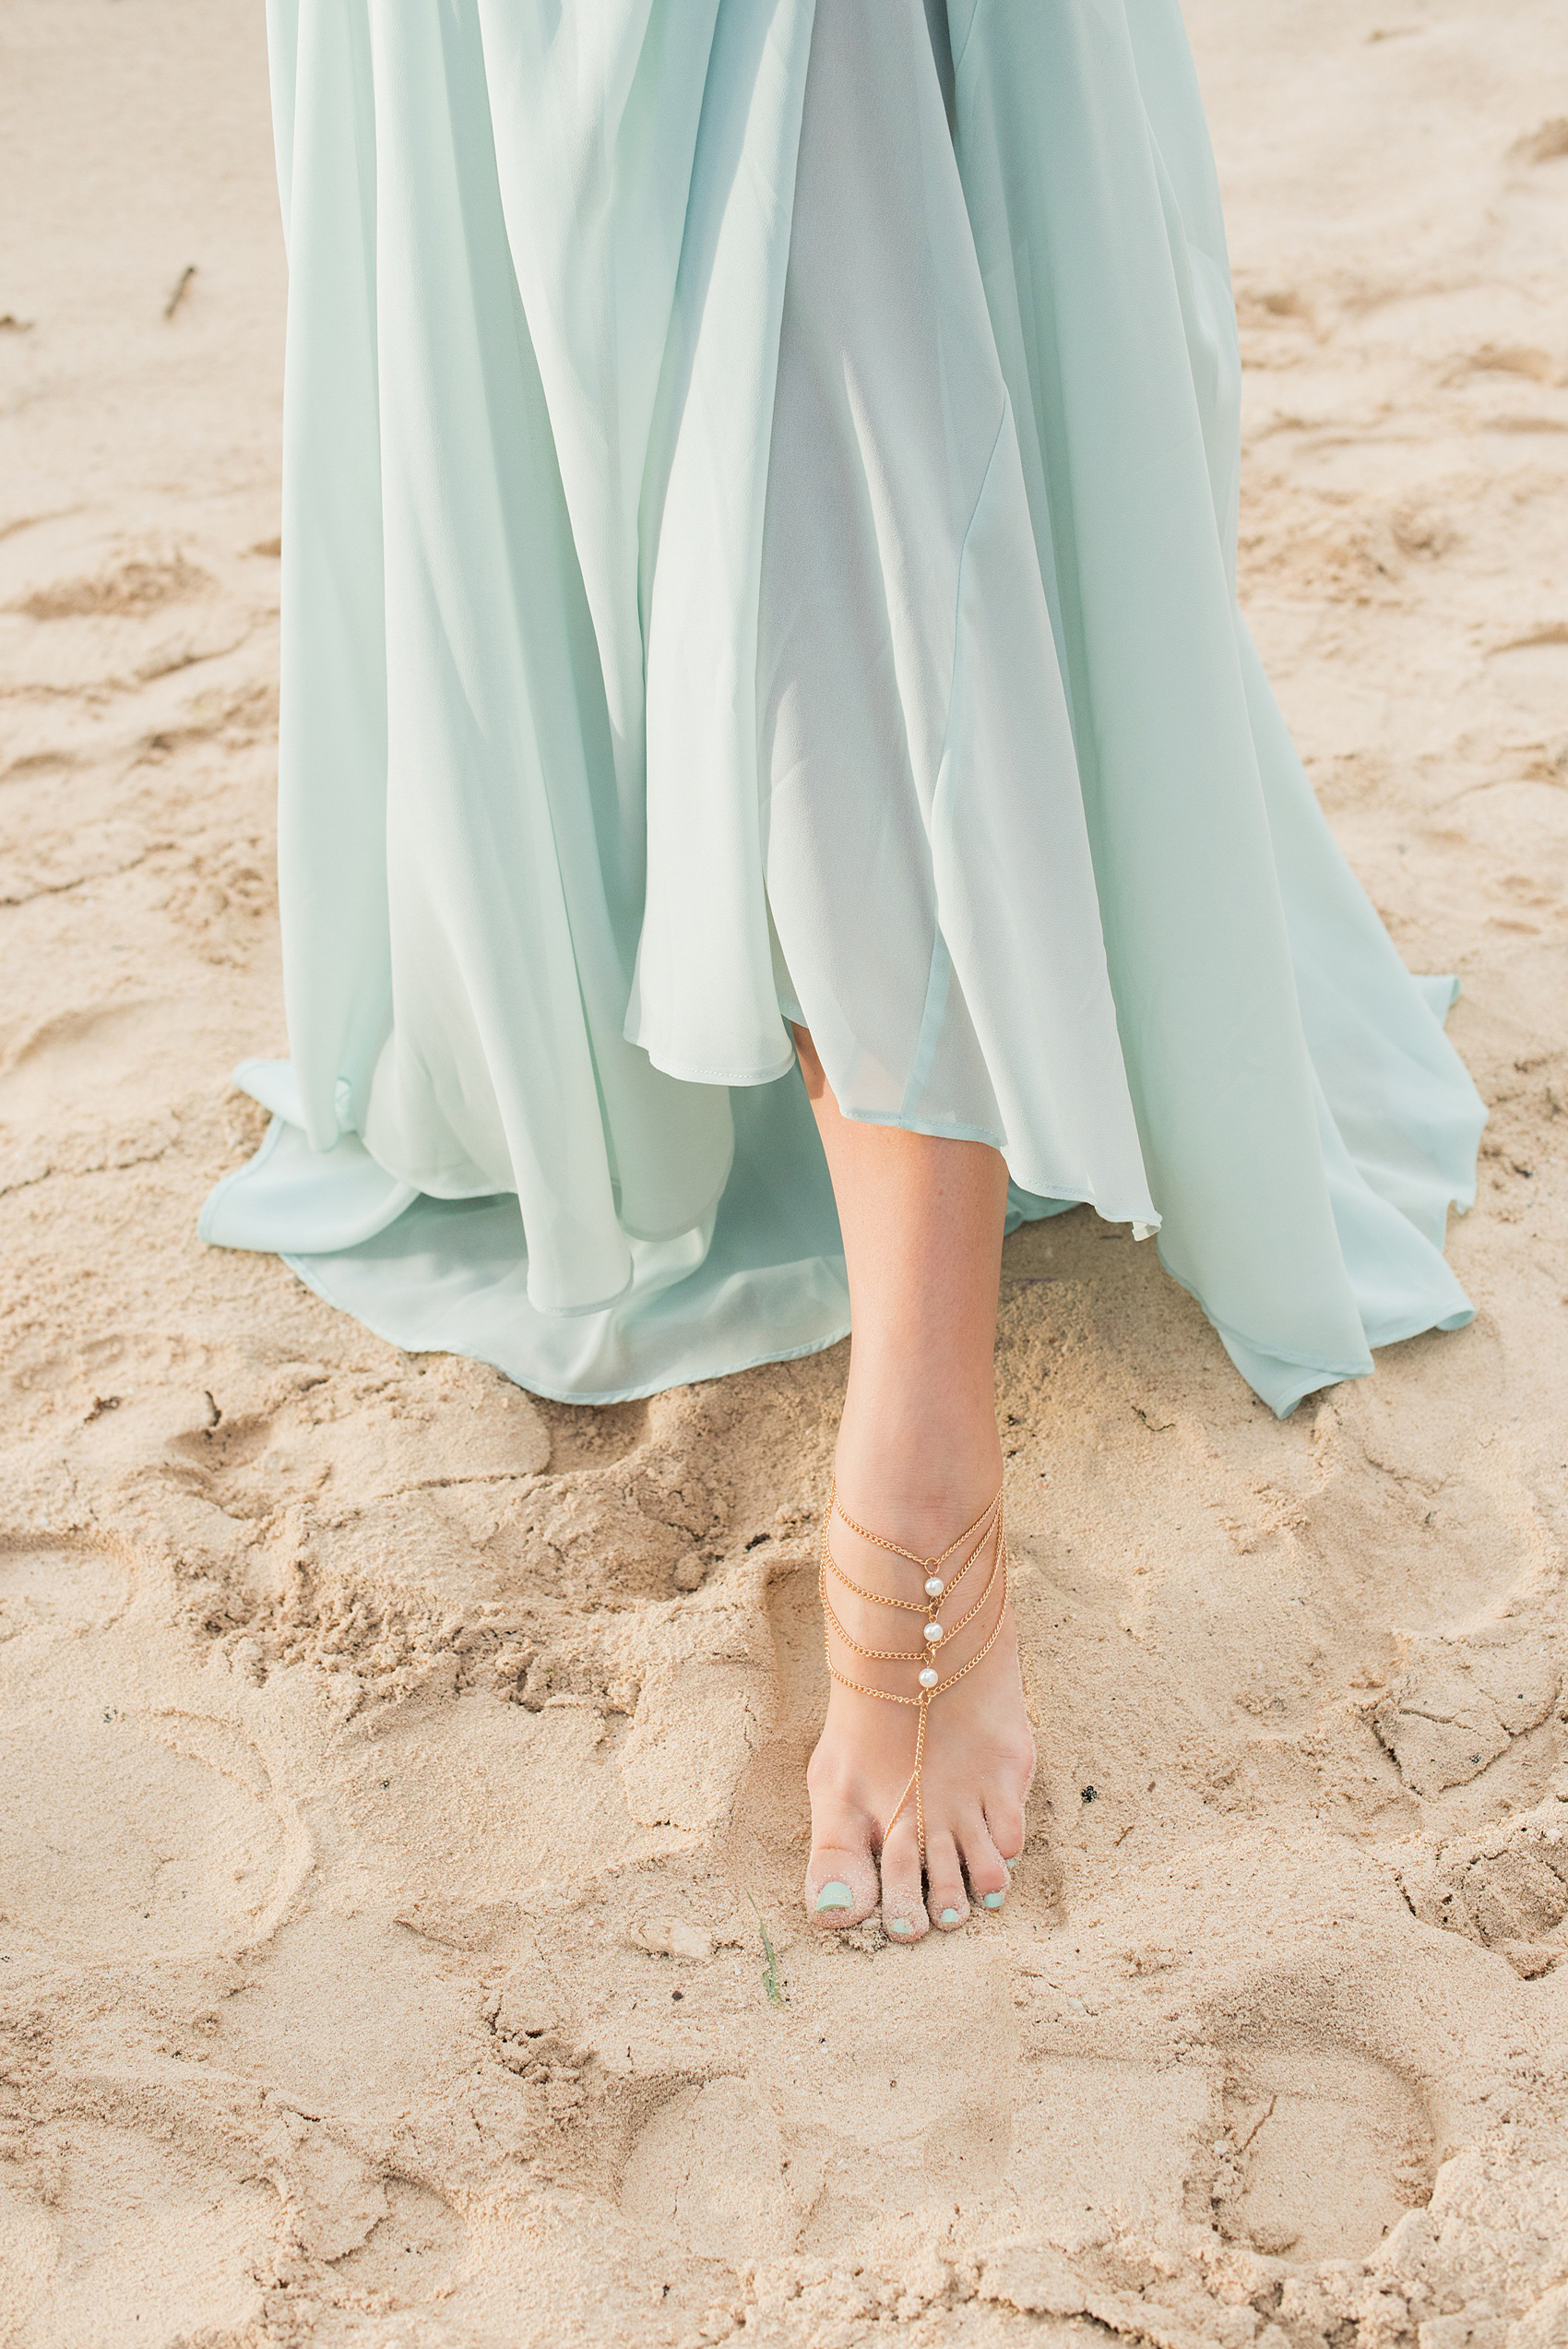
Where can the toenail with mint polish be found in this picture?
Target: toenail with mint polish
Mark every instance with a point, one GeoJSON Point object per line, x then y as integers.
{"type": "Point", "coordinates": [950, 1916]}
{"type": "Point", "coordinates": [834, 1896]}
{"type": "Point", "coordinates": [899, 1925]}
{"type": "Point", "coordinates": [994, 1899]}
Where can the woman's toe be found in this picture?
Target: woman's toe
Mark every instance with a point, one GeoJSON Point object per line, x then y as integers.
{"type": "Point", "coordinates": [841, 1886]}
{"type": "Point", "coordinates": [946, 1900]}
{"type": "Point", "coordinates": [1004, 1824]}
{"type": "Point", "coordinates": [983, 1864]}
{"type": "Point", "coordinates": [904, 1915]}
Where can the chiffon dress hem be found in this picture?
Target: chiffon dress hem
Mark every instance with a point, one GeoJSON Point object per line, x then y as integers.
{"type": "Point", "coordinates": [760, 497]}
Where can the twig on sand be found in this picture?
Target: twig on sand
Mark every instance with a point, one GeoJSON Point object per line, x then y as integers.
{"type": "Point", "coordinates": [186, 274]}
{"type": "Point", "coordinates": [769, 1960]}
{"type": "Point", "coordinates": [11, 324]}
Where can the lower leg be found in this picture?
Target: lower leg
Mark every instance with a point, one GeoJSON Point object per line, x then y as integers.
{"type": "Point", "coordinates": [917, 1459]}
{"type": "Point", "coordinates": [921, 1222]}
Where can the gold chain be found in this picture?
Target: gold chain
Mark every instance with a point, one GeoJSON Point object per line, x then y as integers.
{"type": "Point", "coordinates": [835, 1508]}
{"type": "Point", "coordinates": [989, 1524]}
{"type": "Point", "coordinates": [929, 1565]}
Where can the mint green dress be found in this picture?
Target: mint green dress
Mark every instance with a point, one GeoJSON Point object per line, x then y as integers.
{"type": "Point", "coordinates": [760, 500]}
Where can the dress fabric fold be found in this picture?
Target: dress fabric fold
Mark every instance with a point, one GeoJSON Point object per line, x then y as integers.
{"type": "Point", "coordinates": [760, 494]}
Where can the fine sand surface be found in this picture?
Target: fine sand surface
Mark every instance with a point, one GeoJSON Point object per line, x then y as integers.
{"type": "Point", "coordinates": [394, 1772]}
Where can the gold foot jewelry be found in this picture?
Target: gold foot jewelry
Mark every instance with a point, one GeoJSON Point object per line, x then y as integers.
{"type": "Point", "coordinates": [939, 1587]}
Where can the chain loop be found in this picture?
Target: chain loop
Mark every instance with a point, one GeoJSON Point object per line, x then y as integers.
{"type": "Point", "coordinates": [989, 1524]}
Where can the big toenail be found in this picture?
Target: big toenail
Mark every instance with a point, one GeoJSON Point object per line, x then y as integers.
{"type": "Point", "coordinates": [994, 1899]}
{"type": "Point", "coordinates": [834, 1896]}
{"type": "Point", "coordinates": [950, 1916]}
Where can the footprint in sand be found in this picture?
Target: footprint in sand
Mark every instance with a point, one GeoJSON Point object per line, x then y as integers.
{"type": "Point", "coordinates": [96, 1057]}
{"type": "Point", "coordinates": [1304, 2152]}
{"type": "Point", "coordinates": [1095, 2141]}
{"type": "Point", "coordinates": [851, 2110]}
{"type": "Point", "coordinates": [128, 1837]}
{"type": "Point", "coordinates": [1323, 2152]}
{"type": "Point", "coordinates": [362, 1442]}
{"type": "Point", "coordinates": [143, 2237]}
{"type": "Point", "coordinates": [1460, 1703]}
{"type": "Point", "coordinates": [711, 2172]}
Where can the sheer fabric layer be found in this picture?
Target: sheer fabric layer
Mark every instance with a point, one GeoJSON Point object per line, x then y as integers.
{"type": "Point", "coordinates": [760, 491]}
{"type": "Point", "coordinates": [927, 860]}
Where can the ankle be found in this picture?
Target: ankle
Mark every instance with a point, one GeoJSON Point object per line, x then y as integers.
{"type": "Point", "coordinates": [918, 1492]}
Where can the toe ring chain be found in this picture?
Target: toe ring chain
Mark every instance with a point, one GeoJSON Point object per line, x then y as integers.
{"type": "Point", "coordinates": [987, 1529]}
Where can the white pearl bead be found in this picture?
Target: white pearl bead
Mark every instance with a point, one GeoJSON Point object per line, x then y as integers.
{"type": "Point", "coordinates": [928, 1678]}
{"type": "Point", "coordinates": [934, 1588]}
{"type": "Point", "coordinates": [933, 1630]}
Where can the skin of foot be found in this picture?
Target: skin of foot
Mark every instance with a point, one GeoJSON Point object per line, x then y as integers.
{"type": "Point", "coordinates": [917, 1459]}
{"type": "Point", "coordinates": [979, 1758]}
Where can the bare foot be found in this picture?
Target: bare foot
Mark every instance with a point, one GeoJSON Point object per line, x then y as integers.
{"type": "Point", "coordinates": [979, 1753]}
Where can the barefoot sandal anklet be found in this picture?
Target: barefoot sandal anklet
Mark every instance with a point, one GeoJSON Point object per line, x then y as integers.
{"type": "Point", "coordinates": [938, 1588]}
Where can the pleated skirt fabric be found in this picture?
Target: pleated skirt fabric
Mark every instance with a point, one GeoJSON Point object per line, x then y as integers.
{"type": "Point", "coordinates": [760, 488]}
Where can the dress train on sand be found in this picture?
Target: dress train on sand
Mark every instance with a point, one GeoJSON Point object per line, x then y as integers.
{"type": "Point", "coordinates": [760, 501]}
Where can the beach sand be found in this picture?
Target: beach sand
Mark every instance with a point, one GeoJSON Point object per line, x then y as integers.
{"type": "Point", "coordinates": [397, 1776]}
